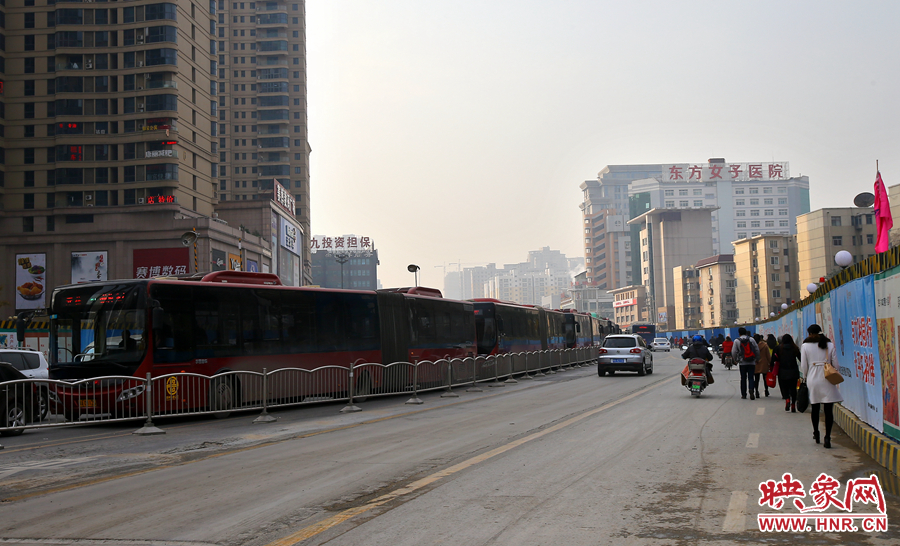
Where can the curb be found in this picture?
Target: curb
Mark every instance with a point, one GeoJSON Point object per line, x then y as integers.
{"type": "Point", "coordinates": [885, 451]}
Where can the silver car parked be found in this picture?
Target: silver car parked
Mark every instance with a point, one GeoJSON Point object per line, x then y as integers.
{"type": "Point", "coordinates": [624, 352]}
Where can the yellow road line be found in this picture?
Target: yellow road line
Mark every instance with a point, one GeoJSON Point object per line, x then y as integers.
{"type": "Point", "coordinates": [332, 521]}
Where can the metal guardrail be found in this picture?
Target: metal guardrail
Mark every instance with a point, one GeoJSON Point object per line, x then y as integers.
{"type": "Point", "coordinates": [41, 403]}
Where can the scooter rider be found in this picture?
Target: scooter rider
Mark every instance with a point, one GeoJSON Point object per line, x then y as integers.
{"type": "Point", "coordinates": [727, 345]}
{"type": "Point", "coordinates": [698, 349]}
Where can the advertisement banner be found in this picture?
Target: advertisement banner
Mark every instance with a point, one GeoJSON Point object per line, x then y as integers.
{"type": "Point", "coordinates": [252, 266]}
{"type": "Point", "coordinates": [854, 325]}
{"type": "Point", "coordinates": [234, 262]}
{"type": "Point", "coordinates": [887, 310]}
{"type": "Point", "coordinates": [89, 266]}
{"type": "Point", "coordinates": [218, 260]}
{"type": "Point", "coordinates": [290, 236]}
{"type": "Point", "coordinates": [30, 281]}
{"type": "Point", "coordinates": [160, 262]}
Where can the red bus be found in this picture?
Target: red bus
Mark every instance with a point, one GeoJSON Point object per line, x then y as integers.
{"type": "Point", "coordinates": [239, 321]}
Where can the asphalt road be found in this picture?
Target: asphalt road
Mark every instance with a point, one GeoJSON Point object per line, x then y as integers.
{"type": "Point", "coordinates": [570, 458]}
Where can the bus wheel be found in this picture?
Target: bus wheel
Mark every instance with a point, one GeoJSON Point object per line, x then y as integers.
{"type": "Point", "coordinates": [363, 388]}
{"type": "Point", "coordinates": [221, 396]}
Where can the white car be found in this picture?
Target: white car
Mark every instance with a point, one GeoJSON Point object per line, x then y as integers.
{"type": "Point", "coordinates": [33, 365]}
{"type": "Point", "coordinates": [660, 344]}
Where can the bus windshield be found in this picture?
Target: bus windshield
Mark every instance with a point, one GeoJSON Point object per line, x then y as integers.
{"type": "Point", "coordinates": [98, 329]}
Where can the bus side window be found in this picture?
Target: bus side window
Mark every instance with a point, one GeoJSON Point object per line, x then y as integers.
{"type": "Point", "coordinates": [298, 322]}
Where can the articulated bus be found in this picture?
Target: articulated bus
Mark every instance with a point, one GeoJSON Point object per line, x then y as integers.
{"type": "Point", "coordinates": [644, 329]}
{"type": "Point", "coordinates": [239, 321]}
{"type": "Point", "coordinates": [579, 329]}
{"type": "Point", "coordinates": [529, 328]}
{"type": "Point", "coordinates": [505, 327]}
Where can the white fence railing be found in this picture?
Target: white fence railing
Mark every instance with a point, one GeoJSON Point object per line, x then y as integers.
{"type": "Point", "coordinates": [41, 403]}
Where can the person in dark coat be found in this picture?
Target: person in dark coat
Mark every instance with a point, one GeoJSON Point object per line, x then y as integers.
{"type": "Point", "coordinates": [787, 354]}
{"type": "Point", "coordinates": [699, 349]}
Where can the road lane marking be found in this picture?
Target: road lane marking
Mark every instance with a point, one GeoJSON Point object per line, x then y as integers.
{"type": "Point", "coordinates": [753, 440]}
{"type": "Point", "coordinates": [735, 517]}
{"type": "Point", "coordinates": [760, 411]}
{"type": "Point", "coordinates": [331, 521]}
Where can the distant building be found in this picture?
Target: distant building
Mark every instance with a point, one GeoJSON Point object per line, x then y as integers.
{"type": "Point", "coordinates": [687, 298]}
{"type": "Point", "coordinates": [359, 272]}
{"type": "Point", "coordinates": [717, 284]}
{"type": "Point", "coordinates": [668, 239]}
{"type": "Point", "coordinates": [630, 305]}
{"type": "Point", "coordinates": [823, 233]}
{"type": "Point", "coordinates": [590, 299]}
{"type": "Point", "coordinates": [766, 275]}
{"type": "Point", "coordinates": [750, 199]}
{"type": "Point", "coordinates": [527, 288]}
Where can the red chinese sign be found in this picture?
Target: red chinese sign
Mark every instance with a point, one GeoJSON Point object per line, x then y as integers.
{"type": "Point", "coordinates": [712, 172]}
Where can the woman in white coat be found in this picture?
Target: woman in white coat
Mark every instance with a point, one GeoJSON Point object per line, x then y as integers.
{"type": "Point", "coordinates": [814, 353]}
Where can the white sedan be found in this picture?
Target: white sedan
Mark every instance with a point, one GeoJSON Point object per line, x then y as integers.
{"type": "Point", "coordinates": [660, 344]}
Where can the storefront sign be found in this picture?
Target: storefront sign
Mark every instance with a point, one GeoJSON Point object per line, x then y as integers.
{"type": "Point", "coordinates": [624, 303]}
{"type": "Point", "coordinates": [290, 236]}
{"type": "Point", "coordinates": [159, 153]}
{"type": "Point", "coordinates": [160, 262]}
{"type": "Point", "coordinates": [284, 197]}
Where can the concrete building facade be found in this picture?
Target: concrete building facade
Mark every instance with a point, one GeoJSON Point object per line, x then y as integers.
{"type": "Point", "coordinates": [630, 305]}
{"type": "Point", "coordinates": [717, 284]}
{"type": "Point", "coordinates": [686, 297]}
{"type": "Point", "coordinates": [668, 239]}
{"type": "Point", "coordinates": [766, 275]}
{"type": "Point", "coordinates": [124, 123]}
{"type": "Point", "coordinates": [823, 233]}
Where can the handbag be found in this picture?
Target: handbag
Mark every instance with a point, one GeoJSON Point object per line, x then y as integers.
{"type": "Point", "coordinates": [832, 374]}
{"type": "Point", "coordinates": [772, 376]}
{"type": "Point", "coordinates": [802, 396]}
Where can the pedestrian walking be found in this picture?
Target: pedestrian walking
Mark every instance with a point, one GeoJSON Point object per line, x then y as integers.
{"type": "Point", "coordinates": [762, 364]}
{"type": "Point", "coordinates": [815, 352]}
{"type": "Point", "coordinates": [745, 352]}
{"type": "Point", "coordinates": [787, 354]}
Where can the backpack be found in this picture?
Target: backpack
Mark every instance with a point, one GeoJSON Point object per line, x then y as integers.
{"type": "Point", "coordinates": [748, 350]}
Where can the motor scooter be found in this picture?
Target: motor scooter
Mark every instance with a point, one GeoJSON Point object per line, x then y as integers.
{"type": "Point", "coordinates": [696, 380]}
{"type": "Point", "coordinates": [727, 361]}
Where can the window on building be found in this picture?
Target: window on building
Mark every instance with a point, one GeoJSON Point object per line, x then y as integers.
{"type": "Point", "coordinates": [870, 239]}
{"type": "Point", "coordinates": [837, 240]}
{"type": "Point", "coordinates": [835, 220]}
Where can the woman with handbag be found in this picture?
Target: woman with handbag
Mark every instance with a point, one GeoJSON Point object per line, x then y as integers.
{"type": "Point", "coordinates": [787, 355]}
{"type": "Point", "coordinates": [762, 365]}
{"type": "Point", "coordinates": [816, 352]}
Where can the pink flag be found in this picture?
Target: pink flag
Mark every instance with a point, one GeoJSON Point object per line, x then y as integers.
{"type": "Point", "coordinates": [883, 219]}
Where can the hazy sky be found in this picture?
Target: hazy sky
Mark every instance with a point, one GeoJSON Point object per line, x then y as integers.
{"type": "Point", "coordinates": [460, 131]}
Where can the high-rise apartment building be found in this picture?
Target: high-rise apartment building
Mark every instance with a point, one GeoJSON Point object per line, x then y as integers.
{"type": "Point", "coordinates": [123, 124]}
{"type": "Point", "coordinates": [262, 103]}
{"type": "Point", "coordinates": [823, 233]}
{"type": "Point", "coordinates": [766, 275]}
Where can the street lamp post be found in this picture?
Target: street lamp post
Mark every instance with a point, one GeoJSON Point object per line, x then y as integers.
{"type": "Point", "coordinates": [414, 269]}
{"type": "Point", "coordinates": [342, 258]}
